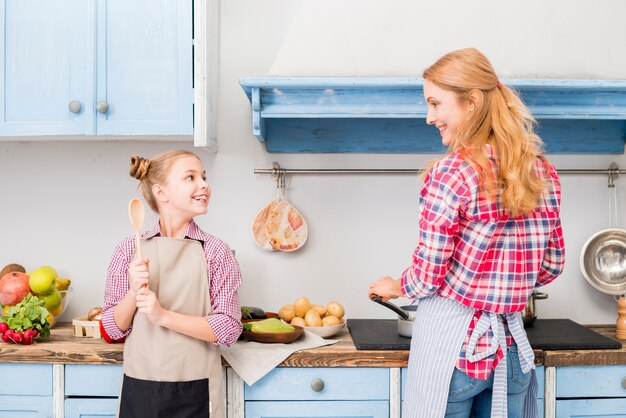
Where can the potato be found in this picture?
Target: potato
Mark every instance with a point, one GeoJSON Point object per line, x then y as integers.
{"type": "Point", "coordinates": [298, 321]}
{"type": "Point", "coordinates": [301, 306]}
{"type": "Point", "coordinates": [335, 309]}
{"type": "Point", "coordinates": [319, 308]}
{"type": "Point", "coordinates": [312, 318]}
{"type": "Point", "coordinates": [286, 313]}
{"type": "Point", "coordinates": [329, 321]}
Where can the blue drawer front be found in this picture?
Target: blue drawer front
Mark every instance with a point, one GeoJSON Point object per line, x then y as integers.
{"type": "Point", "coordinates": [596, 408]}
{"type": "Point", "coordinates": [339, 384]}
{"type": "Point", "coordinates": [92, 380]}
{"type": "Point", "coordinates": [335, 409]}
{"type": "Point", "coordinates": [86, 408]}
{"type": "Point", "coordinates": [590, 382]}
{"type": "Point", "coordinates": [25, 406]}
{"type": "Point", "coordinates": [26, 379]}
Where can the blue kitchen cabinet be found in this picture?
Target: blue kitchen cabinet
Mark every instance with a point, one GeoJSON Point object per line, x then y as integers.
{"type": "Point", "coordinates": [86, 67]}
{"type": "Point", "coordinates": [86, 408]}
{"type": "Point", "coordinates": [26, 390]}
{"type": "Point", "coordinates": [319, 392]}
{"type": "Point", "coordinates": [584, 391]}
{"type": "Point", "coordinates": [91, 390]}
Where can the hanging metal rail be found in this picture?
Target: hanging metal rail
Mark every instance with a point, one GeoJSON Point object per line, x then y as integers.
{"type": "Point", "coordinates": [277, 170]}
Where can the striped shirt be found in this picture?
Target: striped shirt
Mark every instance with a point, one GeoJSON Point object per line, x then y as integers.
{"type": "Point", "coordinates": [223, 275]}
{"type": "Point", "coordinates": [472, 251]}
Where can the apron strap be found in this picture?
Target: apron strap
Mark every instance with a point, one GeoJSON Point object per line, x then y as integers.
{"type": "Point", "coordinates": [495, 322]}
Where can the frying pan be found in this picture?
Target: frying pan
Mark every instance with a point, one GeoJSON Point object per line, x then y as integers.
{"type": "Point", "coordinates": [406, 315]}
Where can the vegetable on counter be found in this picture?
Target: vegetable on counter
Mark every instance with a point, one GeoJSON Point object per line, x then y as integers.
{"type": "Point", "coordinates": [252, 312]}
{"type": "Point", "coordinates": [268, 325]}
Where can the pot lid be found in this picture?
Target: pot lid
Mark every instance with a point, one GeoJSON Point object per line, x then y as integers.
{"type": "Point", "coordinates": [603, 261]}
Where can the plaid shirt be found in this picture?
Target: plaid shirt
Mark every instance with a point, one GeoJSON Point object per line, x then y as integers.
{"type": "Point", "coordinates": [223, 275]}
{"type": "Point", "coordinates": [472, 251]}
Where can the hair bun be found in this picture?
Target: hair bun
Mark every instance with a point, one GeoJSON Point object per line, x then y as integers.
{"type": "Point", "coordinates": [139, 167]}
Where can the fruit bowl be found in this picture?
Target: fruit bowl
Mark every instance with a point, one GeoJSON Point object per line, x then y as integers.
{"type": "Point", "coordinates": [66, 297]}
{"type": "Point", "coordinates": [327, 331]}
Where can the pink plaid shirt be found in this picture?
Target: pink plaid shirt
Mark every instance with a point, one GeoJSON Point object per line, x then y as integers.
{"type": "Point", "coordinates": [472, 251]}
{"type": "Point", "coordinates": [223, 275]}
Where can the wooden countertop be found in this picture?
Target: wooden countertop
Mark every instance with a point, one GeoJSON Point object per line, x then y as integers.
{"type": "Point", "coordinates": [64, 348]}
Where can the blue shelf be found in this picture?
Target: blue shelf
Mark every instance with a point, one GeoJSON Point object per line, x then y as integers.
{"type": "Point", "coordinates": [387, 115]}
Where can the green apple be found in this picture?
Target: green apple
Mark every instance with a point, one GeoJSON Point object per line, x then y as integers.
{"type": "Point", "coordinates": [50, 270]}
{"type": "Point", "coordinates": [52, 300]}
{"type": "Point", "coordinates": [41, 280]}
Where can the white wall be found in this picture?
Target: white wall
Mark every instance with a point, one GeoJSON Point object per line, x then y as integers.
{"type": "Point", "coordinates": [65, 204]}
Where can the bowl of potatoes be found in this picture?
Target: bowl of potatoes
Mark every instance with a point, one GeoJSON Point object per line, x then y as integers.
{"type": "Point", "coordinates": [325, 321]}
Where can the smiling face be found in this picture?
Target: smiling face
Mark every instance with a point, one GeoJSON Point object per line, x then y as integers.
{"type": "Point", "coordinates": [445, 111]}
{"type": "Point", "coordinates": [186, 193]}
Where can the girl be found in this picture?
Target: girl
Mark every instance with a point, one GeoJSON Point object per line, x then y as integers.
{"type": "Point", "coordinates": [174, 306]}
{"type": "Point", "coordinates": [490, 232]}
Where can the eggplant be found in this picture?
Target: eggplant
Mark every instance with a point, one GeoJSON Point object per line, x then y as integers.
{"type": "Point", "coordinates": [252, 312]}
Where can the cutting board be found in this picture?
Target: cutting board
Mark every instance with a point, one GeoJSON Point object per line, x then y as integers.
{"type": "Point", "coordinates": [545, 334]}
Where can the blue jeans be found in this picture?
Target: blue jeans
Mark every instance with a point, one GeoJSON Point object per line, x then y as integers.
{"type": "Point", "coordinates": [470, 397]}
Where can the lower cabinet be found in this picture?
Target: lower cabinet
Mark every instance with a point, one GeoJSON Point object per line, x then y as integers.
{"type": "Point", "coordinates": [598, 391]}
{"type": "Point", "coordinates": [319, 392]}
{"type": "Point", "coordinates": [26, 390]}
{"type": "Point", "coordinates": [91, 390]}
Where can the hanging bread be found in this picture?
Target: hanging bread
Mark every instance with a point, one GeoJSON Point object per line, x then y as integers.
{"type": "Point", "coordinates": [285, 228]}
{"type": "Point", "coordinates": [258, 227]}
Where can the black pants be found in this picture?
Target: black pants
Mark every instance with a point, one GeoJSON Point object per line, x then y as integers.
{"type": "Point", "coordinates": [150, 399]}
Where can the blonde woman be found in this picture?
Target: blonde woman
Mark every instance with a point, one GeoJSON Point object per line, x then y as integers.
{"type": "Point", "coordinates": [490, 233]}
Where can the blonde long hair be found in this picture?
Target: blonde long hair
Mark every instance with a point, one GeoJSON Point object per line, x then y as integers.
{"type": "Point", "coordinates": [500, 119]}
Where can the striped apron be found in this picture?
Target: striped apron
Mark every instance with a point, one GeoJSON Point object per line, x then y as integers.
{"type": "Point", "coordinates": [438, 333]}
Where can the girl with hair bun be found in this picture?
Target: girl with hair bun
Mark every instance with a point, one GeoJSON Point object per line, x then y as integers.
{"type": "Point", "coordinates": [177, 304]}
{"type": "Point", "coordinates": [489, 234]}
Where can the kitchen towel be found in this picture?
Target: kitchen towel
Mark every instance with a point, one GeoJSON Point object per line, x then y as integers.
{"type": "Point", "coordinates": [252, 360]}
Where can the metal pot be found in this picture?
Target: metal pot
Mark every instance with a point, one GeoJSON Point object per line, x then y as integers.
{"type": "Point", "coordinates": [406, 315]}
{"type": "Point", "coordinates": [530, 314]}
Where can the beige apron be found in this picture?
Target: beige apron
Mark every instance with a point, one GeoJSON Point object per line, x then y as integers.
{"type": "Point", "coordinates": [178, 277]}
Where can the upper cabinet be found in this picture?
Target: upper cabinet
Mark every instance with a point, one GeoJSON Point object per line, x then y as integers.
{"type": "Point", "coordinates": [87, 67]}
{"type": "Point", "coordinates": [387, 115]}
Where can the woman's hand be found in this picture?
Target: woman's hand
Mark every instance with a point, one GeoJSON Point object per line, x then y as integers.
{"type": "Point", "coordinates": [148, 304]}
{"type": "Point", "coordinates": [385, 287]}
{"type": "Point", "coordinates": [138, 275]}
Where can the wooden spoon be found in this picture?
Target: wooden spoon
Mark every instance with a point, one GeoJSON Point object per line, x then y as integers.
{"type": "Point", "coordinates": [136, 214]}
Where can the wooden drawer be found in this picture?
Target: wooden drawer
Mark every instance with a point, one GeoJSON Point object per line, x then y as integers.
{"type": "Point", "coordinates": [590, 382]}
{"type": "Point", "coordinates": [338, 384]}
{"type": "Point", "coordinates": [592, 408]}
{"type": "Point", "coordinates": [26, 379]}
{"type": "Point", "coordinates": [92, 380]}
{"type": "Point", "coordinates": [330, 409]}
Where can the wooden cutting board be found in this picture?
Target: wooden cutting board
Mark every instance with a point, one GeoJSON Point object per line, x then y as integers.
{"type": "Point", "coordinates": [545, 334]}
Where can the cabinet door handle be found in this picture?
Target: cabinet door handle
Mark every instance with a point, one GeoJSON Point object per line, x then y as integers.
{"type": "Point", "coordinates": [74, 106]}
{"type": "Point", "coordinates": [624, 382]}
{"type": "Point", "coordinates": [317, 385]}
{"type": "Point", "coordinates": [102, 106]}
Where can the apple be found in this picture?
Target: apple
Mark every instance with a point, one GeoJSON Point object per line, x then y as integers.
{"type": "Point", "coordinates": [51, 300]}
{"type": "Point", "coordinates": [41, 280]}
{"type": "Point", "coordinates": [14, 287]}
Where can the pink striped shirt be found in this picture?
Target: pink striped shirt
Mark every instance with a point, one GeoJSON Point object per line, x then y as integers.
{"type": "Point", "coordinates": [223, 275]}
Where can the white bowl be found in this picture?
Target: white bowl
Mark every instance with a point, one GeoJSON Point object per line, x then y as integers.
{"type": "Point", "coordinates": [327, 332]}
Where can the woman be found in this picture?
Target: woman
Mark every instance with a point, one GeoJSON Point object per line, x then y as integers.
{"type": "Point", "coordinates": [176, 304]}
{"type": "Point", "coordinates": [490, 233]}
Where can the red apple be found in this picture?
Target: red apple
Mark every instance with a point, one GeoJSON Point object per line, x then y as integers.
{"type": "Point", "coordinates": [13, 287]}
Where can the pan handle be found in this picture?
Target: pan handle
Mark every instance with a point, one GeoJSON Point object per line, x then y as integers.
{"type": "Point", "coordinates": [401, 312]}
